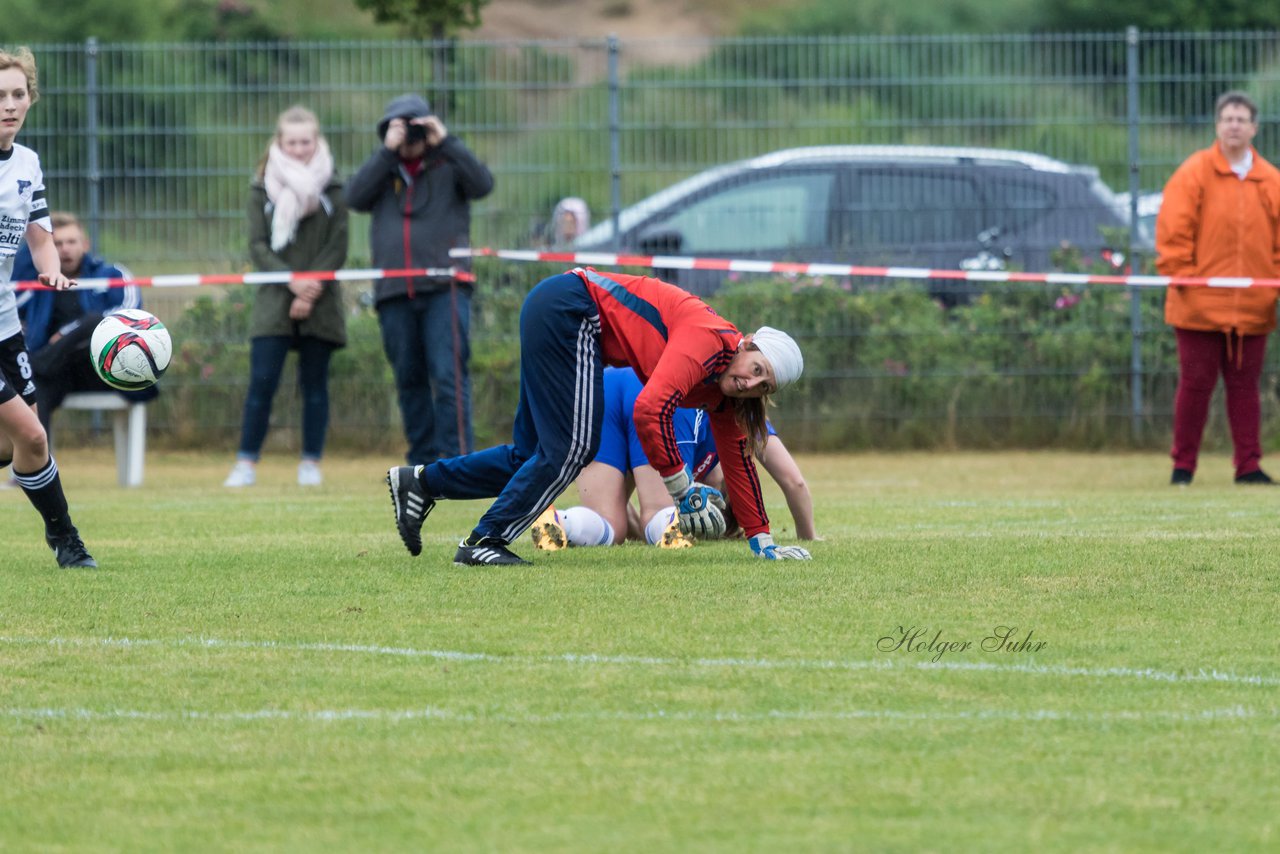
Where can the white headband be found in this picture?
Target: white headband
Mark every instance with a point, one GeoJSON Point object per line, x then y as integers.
{"type": "Point", "coordinates": [782, 352]}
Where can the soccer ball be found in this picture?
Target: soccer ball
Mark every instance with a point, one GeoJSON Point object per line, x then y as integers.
{"type": "Point", "coordinates": [130, 349]}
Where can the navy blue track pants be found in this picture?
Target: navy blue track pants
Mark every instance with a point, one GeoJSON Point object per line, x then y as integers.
{"type": "Point", "coordinates": [558, 421]}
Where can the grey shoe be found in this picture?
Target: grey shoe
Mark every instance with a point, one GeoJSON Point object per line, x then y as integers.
{"type": "Point", "coordinates": [411, 506]}
{"type": "Point", "coordinates": [69, 550]}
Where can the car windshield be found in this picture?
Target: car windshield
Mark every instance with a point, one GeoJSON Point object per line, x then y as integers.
{"type": "Point", "coordinates": [637, 213]}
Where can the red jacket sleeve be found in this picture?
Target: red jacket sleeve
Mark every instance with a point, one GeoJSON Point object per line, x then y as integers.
{"type": "Point", "coordinates": [741, 479]}
{"type": "Point", "coordinates": [679, 370]}
{"type": "Point", "coordinates": [683, 368]}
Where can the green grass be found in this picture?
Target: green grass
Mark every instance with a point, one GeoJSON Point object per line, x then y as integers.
{"type": "Point", "coordinates": [268, 670]}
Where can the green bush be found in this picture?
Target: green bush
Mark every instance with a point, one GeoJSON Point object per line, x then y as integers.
{"type": "Point", "coordinates": [886, 367]}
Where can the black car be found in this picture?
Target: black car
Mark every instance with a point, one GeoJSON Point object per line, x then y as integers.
{"type": "Point", "coordinates": [916, 206]}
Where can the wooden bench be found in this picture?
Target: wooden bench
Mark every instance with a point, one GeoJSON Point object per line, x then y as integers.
{"type": "Point", "coordinates": [128, 427]}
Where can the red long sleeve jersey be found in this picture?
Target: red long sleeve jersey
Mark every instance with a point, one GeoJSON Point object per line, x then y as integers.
{"type": "Point", "coordinates": [679, 346]}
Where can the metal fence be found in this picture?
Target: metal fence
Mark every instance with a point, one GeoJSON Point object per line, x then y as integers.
{"type": "Point", "coordinates": [153, 145]}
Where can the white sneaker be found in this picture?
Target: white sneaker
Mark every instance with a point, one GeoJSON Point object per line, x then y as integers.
{"type": "Point", "coordinates": [309, 473]}
{"type": "Point", "coordinates": [244, 473]}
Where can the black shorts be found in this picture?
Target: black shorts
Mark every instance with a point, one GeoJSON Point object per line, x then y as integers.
{"type": "Point", "coordinates": [17, 375]}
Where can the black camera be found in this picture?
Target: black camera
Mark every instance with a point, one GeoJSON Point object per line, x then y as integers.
{"type": "Point", "coordinates": [414, 133]}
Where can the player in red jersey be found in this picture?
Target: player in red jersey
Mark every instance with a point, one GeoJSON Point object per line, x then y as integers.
{"type": "Point", "coordinates": [571, 326]}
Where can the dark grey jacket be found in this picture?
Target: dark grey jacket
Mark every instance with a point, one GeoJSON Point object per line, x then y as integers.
{"type": "Point", "coordinates": [321, 244]}
{"type": "Point", "coordinates": [437, 205]}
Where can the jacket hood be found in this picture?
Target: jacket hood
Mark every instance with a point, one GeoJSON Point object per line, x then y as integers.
{"type": "Point", "coordinates": [405, 105]}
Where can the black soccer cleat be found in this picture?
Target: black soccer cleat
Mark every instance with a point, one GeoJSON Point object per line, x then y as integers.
{"type": "Point", "coordinates": [69, 550]}
{"type": "Point", "coordinates": [411, 506]}
{"type": "Point", "coordinates": [1257, 478]}
{"type": "Point", "coordinates": [488, 552]}
{"type": "Point", "coordinates": [1181, 477]}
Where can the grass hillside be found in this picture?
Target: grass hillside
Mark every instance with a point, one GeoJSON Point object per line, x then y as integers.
{"type": "Point", "coordinates": [526, 19]}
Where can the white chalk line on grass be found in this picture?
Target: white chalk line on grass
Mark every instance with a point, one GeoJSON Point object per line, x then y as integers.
{"type": "Point", "coordinates": [434, 714]}
{"type": "Point", "coordinates": [1210, 675]}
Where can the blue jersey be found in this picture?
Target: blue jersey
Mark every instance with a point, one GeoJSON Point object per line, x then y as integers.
{"type": "Point", "coordinates": [620, 445]}
{"type": "Point", "coordinates": [703, 457]}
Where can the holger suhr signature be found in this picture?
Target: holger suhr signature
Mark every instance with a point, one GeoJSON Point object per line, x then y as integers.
{"type": "Point", "coordinates": [923, 641]}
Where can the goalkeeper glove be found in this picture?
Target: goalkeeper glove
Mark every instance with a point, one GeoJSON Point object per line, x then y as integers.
{"type": "Point", "coordinates": [763, 546]}
{"type": "Point", "coordinates": [699, 507]}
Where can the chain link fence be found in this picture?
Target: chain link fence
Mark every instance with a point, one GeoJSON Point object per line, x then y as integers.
{"type": "Point", "coordinates": [153, 145]}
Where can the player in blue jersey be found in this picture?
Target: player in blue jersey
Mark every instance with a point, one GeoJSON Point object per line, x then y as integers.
{"type": "Point", "coordinates": [24, 215]}
{"type": "Point", "coordinates": [607, 517]}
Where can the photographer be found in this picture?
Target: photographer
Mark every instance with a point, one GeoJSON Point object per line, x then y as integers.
{"type": "Point", "coordinates": [418, 186]}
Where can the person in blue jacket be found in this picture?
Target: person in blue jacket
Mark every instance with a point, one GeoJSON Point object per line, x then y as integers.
{"type": "Point", "coordinates": [58, 324]}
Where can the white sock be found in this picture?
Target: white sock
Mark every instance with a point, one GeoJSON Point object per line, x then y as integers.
{"type": "Point", "coordinates": [658, 525]}
{"type": "Point", "coordinates": [585, 527]}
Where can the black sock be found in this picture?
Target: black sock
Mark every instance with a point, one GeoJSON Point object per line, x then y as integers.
{"type": "Point", "coordinates": [44, 491]}
{"type": "Point", "coordinates": [423, 474]}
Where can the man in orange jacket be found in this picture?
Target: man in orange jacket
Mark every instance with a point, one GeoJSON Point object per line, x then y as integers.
{"type": "Point", "coordinates": [1221, 217]}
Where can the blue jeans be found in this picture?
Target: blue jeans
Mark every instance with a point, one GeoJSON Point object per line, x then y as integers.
{"type": "Point", "coordinates": [427, 342]}
{"type": "Point", "coordinates": [266, 363]}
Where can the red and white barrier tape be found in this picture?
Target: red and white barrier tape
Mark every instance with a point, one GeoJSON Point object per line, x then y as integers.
{"type": "Point", "coordinates": [281, 278]}
{"type": "Point", "coordinates": [675, 262]}
{"type": "Point", "coordinates": [683, 262]}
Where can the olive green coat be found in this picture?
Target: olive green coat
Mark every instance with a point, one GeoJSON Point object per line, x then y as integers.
{"type": "Point", "coordinates": [321, 244]}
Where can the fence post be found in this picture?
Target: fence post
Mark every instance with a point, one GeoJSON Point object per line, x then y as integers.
{"type": "Point", "coordinates": [1135, 294]}
{"type": "Point", "coordinates": [94, 214]}
{"type": "Point", "coordinates": [615, 166]}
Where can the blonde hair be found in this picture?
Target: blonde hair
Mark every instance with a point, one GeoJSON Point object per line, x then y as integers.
{"type": "Point", "coordinates": [62, 219]}
{"type": "Point", "coordinates": [295, 115]}
{"type": "Point", "coordinates": [22, 58]}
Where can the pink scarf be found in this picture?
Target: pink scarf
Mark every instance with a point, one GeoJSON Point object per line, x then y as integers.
{"type": "Point", "coordinates": [295, 189]}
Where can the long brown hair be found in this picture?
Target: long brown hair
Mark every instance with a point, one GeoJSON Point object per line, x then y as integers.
{"type": "Point", "coordinates": [749, 412]}
{"type": "Point", "coordinates": [750, 415]}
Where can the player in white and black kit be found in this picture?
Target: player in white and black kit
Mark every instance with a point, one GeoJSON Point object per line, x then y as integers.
{"type": "Point", "coordinates": [24, 214]}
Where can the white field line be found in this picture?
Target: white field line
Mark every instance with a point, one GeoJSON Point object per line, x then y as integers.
{"type": "Point", "coordinates": [1227, 714]}
{"type": "Point", "coordinates": [1210, 675]}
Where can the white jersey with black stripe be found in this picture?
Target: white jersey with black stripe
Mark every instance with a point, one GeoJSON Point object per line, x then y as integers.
{"type": "Point", "coordinates": [21, 202]}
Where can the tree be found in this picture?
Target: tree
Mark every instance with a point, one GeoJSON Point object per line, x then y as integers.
{"type": "Point", "coordinates": [434, 19]}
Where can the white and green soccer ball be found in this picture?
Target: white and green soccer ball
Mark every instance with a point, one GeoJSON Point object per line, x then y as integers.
{"type": "Point", "coordinates": [130, 349]}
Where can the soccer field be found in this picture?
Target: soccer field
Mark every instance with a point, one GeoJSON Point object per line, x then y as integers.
{"type": "Point", "coordinates": [989, 652]}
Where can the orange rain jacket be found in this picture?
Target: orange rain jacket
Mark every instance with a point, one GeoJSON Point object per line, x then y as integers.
{"type": "Point", "coordinates": [1211, 223]}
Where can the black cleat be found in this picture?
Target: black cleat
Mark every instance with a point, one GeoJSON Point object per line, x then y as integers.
{"type": "Point", "coordinates": [1181, 477]}
{"type": "Point", "coordinates": [69, 549]}
{"type": "Point", "coordinates": [1258, 477]}
{"type": "Point", "coordinates": [488, 552]}
{"type": "Point", "coordinates": [411, 506]}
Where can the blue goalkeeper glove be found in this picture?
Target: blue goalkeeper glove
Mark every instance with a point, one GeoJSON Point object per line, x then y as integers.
{"type": "Point", "coordinates": [700, 508]}
{"type": "Point", "coordinates": [762, 545]}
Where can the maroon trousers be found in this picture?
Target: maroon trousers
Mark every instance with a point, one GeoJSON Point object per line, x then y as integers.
{"type": "Point", "coordinates": [1202, 356]}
